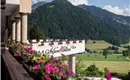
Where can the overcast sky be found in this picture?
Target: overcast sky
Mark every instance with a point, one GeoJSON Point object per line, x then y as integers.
{"type": "Point", "coordinates": [121, 7]}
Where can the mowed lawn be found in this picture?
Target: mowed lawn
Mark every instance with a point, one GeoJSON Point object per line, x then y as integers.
{"type": "Point", "coordinates": [114, 62]}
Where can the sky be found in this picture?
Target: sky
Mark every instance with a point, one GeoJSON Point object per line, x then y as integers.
{"type": "Point", "coordinates": [121, 7]}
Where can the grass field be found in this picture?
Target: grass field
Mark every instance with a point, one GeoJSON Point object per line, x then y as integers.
{"type": "Point", "coordinates": [99, 44]}
{"type": "Point", "coordinates": [126, 44]}
{"type": "Point", "coordinates": [113, 66]}
{"type": "Point", "coordinates": [100, 57]}
{"type": "Point", "coordinates": [114, 62]}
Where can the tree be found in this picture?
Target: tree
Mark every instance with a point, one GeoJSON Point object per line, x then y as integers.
{"type": "Point", "coordinates": [105, 53]}
{"type": "Point", "coordinates": [126, 53]}
{"type": "Point", "coordinates": [79, 66]}
{"type": "Point", "coordinates": [128, 47]}
{"type": "Point", "coordinates": [35, 33]}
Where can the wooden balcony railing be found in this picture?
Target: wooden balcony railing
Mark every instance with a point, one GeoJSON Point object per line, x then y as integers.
{"type": "Point", "coordinates": [11, 69]}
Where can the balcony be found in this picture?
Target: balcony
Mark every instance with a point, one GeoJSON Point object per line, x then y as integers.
{"type": "Point", "coordinates": [13, 11]}
{"type": "Point", "coordinates": [11, 69]}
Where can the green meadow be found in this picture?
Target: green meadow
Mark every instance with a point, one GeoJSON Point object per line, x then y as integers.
{"type": "Point", "coordinates": [114, 62]}
{"type": "Point", "coordinates": [100, 57]}
{"type": "Point", "coordinates": [100, 44]}
{"type": "Point", "coordinates": [113, 66]}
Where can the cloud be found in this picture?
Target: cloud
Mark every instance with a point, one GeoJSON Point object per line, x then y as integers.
{"type": "Point", "coordinates": [78, 2]}
{"type": "Point", "coordinates": [120, 11]}
{"type": "Point", "coordinates": [35, 1]}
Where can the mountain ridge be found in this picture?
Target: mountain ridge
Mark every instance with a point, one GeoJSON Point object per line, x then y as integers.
{"type": "Point", "coordinates": [38, 4]}
{"type": "Point", "coordinates": [118, 22]}
{"type": "Point", "coordinates": [63, 20]}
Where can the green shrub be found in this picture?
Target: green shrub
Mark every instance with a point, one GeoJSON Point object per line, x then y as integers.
{"type": "Point", "coordinates": [79, 66]}
{"type": "Point", "coordinates": [92, 70]}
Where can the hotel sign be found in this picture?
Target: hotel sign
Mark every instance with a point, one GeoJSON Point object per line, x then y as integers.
{"type": "Point", "coordinates": [57, 49]}
{"type": "Point", "coordinates": [60, 49]}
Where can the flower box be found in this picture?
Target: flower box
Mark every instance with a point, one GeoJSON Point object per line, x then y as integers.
{"type": "Point", "coordinates": [41, 67]}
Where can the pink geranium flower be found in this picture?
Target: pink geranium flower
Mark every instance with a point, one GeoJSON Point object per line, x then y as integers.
{"type": "Point", "coordinates": [35, 67]}
{"type": "Point", "coordinates": [62, 66]}
{"type": "Point", "coordinates": [55, 70]}
{"type": "Point", "coordinates": [66, 62]}
{"type": "Point", "coordinates": [30, 49]}
{"type": "Point", "coordinates": [56, 59]}
{"type": "Point", "coordinates": [63, 55]}
{"type": "Point", "coordinates": [19, 54]}
{"type": "Point", "coordinates": [61, 73]}
{"type": "Point", "coordinates": [39, 61]}
{"type": "Point", "coordinates": [64, 76]}
{"type": "Point", "coordinates": [70, 72]}
{"type": "Point", "coordinates": [47, 77]}
{"type": "Point", "coordinates": [19, 45]}
{"type": "Point", "coordinates": [23, 50]}
{"type": "Point", "coordinates": [109, 76]}
{"type": "Point", "coordinates": [28, 57]}
{"type": "Point", "coordinates": [48, 67]}
{"type": "Point", "coordinates": [47, 70]}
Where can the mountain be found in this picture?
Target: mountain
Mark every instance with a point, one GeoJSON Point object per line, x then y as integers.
{"type": "Point", "coordinates": [118, 22]}
{"type": "Point", "coordinates": [34, 6]}
{"type": "Point", "coordinates": [61, 20]}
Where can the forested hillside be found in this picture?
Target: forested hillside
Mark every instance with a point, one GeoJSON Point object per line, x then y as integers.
{"type": "Point", "coordinates": [60, 19]}
{"type": "Point", "coordinates": [118, 22]}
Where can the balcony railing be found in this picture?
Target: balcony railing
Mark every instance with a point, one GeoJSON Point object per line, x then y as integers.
{"type": "Point", "coordinates": [11, 69]}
